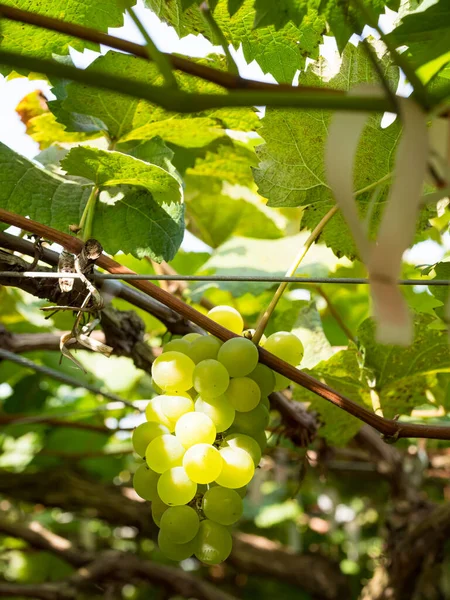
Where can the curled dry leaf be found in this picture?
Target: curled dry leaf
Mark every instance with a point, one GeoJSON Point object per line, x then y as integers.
{"type": "Point", "coordinates": [65, 339]}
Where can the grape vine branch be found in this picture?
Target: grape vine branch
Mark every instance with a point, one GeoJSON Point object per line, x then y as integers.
{"type": "Point", "coordinates": [391, 429]}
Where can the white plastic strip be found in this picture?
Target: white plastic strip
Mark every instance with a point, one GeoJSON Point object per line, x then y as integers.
{"type": "Point", "coordinates": [396, 233]}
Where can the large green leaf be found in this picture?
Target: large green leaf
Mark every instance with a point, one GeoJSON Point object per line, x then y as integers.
{"type": "Point", "coordinates": [403, 375]}
{"type": "Point", "coordinates": [340, 14]}
{"type": "Point", "coordinates": [280, 53]}
{"type": "Point", "coordinates": [292, 169]}
{"type": "Point", "coordinates": [34, 192]}
{"type": "Point", "coordinates": [16, 36]}
{"type": "Point", "coordinates": [345, 18]}
{"type": "Point", "coordinates": [133, 221]}
{"type": "Point", "coordinates": [230, 162]}
{"type": "Point", "coordinates": [426, 32]}
{"type": "Point", "coordinates": [440, 292]}
{"type": "Point", "coordinates": [42, 125]}
{"type": "Point", "coordinates": [138, 225]}
{"type": "Point", "coordinates": [109, 168]}
{"type": "Point", "coordinates": [215, 217]}
{"type": "Point", "coordinates": [342, 372]}
{"type": "Point", "coordinates": [82, 108]}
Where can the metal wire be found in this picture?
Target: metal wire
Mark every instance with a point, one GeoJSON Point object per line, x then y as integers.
{"type": "Point", "coordinates": [25, 362]}
{"type": "Point", "coordinates": [212, 278]}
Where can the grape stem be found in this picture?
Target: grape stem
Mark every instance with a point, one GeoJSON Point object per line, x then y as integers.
{"type": "Point", "coordinates": [390, 428]}
{"type": "Point", "coordinates": [290, 273]}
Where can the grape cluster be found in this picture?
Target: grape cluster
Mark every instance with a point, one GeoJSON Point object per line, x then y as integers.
{"type": "Point", "coordinates": [205, 434]}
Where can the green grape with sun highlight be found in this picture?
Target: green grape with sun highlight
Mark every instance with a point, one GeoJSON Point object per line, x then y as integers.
{"type": "Point", "coordinates": [173, 371]}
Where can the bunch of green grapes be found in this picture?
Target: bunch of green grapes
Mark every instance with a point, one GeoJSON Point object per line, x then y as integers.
{"type": "Point", "coordinates": [204, 436]}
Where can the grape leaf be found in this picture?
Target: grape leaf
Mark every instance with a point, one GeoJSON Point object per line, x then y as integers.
{"type": "Point", "coordinates": [308, 328]}
{"type": "Point", "coordinates": [110, 168]}
{"type": "Point", "coordinates": [336, 234]}
{"type": "Point", "coordinates": [280, 53]}
{"type": "Point", "coordinates": [16, 36]}
{"type": "Point", "coordinates": [340, 14]}
{"type": "Point", "coordinates": [344, 18]}
{"type": "Point", "coordinates": [215, 218]}
{"type": "Point", "coordinates": [440, 292]}
{"type": "Point", "coordinates": [136, 224]}
{"type": "Point", "coordinates": [279, 13]}
{"type": "Point", "coordinates": [426, 32]}
{"type": "Point", "coordinates": [341, 372]}
{"type": "Point", "coordinates": [125, 118]}
{"type": "Point", "coordinates": [153, 151]}
{"type": "Point", "coordinates": [403, 375]}
{"type": "Point", "coordinates": [232, 163]}
{"type": "Point", "coordinates": [30, 191]}
{"type": "Point", "coordinates": [245, 256]}
{"type": "Point", "coordinates": [292, 170]}
{"type": "Point", "coordinates": [132, 222]}
{"type": "Point", "coordinates": [29, 395]}
{"type": "Point", "coordinates": [192, 133]}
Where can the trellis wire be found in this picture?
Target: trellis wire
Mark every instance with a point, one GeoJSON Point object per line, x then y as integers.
{"type": "Point", "coordinates": [218, 278]}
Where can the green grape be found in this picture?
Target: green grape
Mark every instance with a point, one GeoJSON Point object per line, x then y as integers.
{"type": "Point", "coordinates": [190, 337]}
{"type": "Point", "coordinates": [264, 377]}
{"type": "Point", "coordinates": [252, 421]}
{"type": "Point", "coordinates": [243, 393]}
{"type": "Point", "coordinates": [175, 551]}
{"type": "Point", "coordinates": [219, 410]}
{"type": "Point", "coordinates": [174, 407]}
{"type": "Point", "coordinates": [237, 469]}
{"type": "Point", "coordinates": [144, 434]}
{"type": "Point", "coordinates": [222, 505]}
{"type": "Point", "coordinates": [213, 543]}
{"type": "Point", "coordinates": [239, 356]}
{"type": "Point", "coordinates": [211, 378]}
{"type": "Point", "coordinates": [154, 413]}
{"type": "Point", "coordinates": [286, 346]}
{"type": "Point", "coordinates": [245, 442]}
{"type": "Point", "coordinates": [228, 317]}
{"type": "Point", "coordinates": [265, 402]}
{"type": "Point", "coordinates": [164, 452]}
{"type": "Point", "coordinates": [204, 347]}
{"type": "Point", "coordinates": [179, 524]}
{"type": "Point", "coordinates": [281, 382]}
{"type": "Point", "coordinates": [195, 428]}
{"type": "Point", "coordinates": [172, 371]}
{"type": "Point", "coordinates": [175, 487]}
{"type": "Point", "coordinates": [145, 482]}
{"type": "Point", "coordinates": [158, 509]}
{"type": "Point", "coordinates": [178, 345]}
{"type": "Point", "coordinates": [202, 463]}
